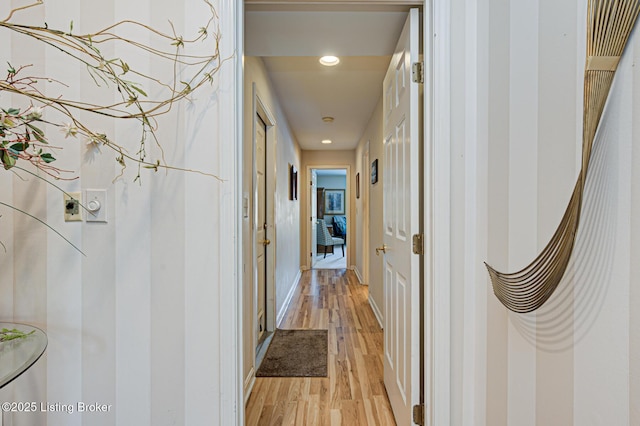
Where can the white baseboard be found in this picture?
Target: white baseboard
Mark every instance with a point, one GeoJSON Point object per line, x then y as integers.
{"type": "Point", "coordinates": [376, 311]}
{"type": "Point", "coordinates": [248, 385]}
{"type": "Point", "coordinates": [287, 300]}
{"type": "Point", "coordinates": [358, 274]}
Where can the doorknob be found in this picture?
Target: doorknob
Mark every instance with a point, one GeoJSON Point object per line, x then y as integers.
{"type": "Point", "coordinates": [266, 242]}
{"type": "Point", "coordinates": [381, 249]}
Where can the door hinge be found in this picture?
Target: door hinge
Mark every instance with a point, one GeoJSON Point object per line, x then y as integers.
{"type": "Point", "coordinates": [418, 414]}
{"type": "Point", "coordinates": [417, 72]}
{"type": "Point", "coordinates": [418, 244]}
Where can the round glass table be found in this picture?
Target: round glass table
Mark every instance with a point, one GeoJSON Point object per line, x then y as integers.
{"type": "Point", "coordinates": [17, 355]}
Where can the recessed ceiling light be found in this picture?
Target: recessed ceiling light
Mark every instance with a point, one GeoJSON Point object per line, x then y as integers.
{"type": "Point", "coordinates": [327, 119]}
{"type": "Point", "coordinates": [327, 141]}
{"type": "Point", "coordinates": [329, 61]}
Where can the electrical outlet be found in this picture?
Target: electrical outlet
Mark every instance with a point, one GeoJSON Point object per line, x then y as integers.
{"type": "Point", "coordinates": [72, 208]}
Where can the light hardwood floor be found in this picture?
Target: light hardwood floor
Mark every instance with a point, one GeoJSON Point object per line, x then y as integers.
{"type": "Point", "coordinates": [354, 392]}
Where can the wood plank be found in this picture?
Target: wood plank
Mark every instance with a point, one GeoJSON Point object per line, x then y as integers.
{"type": "Point", "coordinates": [353, 393]}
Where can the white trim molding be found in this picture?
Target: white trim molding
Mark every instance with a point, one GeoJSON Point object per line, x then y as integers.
{"type": "Point", "coordinates": [287, 300]}
{"type": "Point", "coordinates": [356, 271]}
{"type": "Point", "coordinates": [437, 297]}
{"type": "Point", "coordinates": [376, 311]}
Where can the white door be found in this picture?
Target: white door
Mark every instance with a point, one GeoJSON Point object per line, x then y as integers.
{"type": "Point", "coordinates": [313, 196]}
{"type": "Point", "coordinates": [261, 227]}
{"type": "Point", "coordinates": [401, 174]}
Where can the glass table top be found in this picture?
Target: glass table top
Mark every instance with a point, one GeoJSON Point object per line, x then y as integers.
{"type": "Point", "coordinates": [17, 355]}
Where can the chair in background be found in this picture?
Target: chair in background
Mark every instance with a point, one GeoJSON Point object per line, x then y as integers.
{"type": "Point", "coordinates": [340, 227]}
{"type": "Point", "coordinates": [325, 239]}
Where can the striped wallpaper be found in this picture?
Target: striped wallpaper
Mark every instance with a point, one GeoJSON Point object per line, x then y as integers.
{"type": "Point", "coordinates": [136, 324]}
{"type": "Point", "coordinates": [516, 133]}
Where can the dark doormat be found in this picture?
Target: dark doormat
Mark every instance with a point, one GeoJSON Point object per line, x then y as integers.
{"type": "Point", "coordinates": [296, 353]}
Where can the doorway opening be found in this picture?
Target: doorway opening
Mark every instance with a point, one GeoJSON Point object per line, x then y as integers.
{"type": "Point", "coordinates": [331, 219]}
{"type": "Point", "coordinates": [288, 87]}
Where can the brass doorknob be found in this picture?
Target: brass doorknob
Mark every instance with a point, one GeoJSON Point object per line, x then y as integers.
{"type": "Point", "coordinates": [266, 242]}
{"type": "Point", "coordinates": [381, 249]}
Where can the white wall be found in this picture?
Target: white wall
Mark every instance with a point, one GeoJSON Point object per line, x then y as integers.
{"type": "Point", "coordinates": [137, 323]}
{"type": "Point", "coordinates": [516, 108]}
{"type": "Point", "coordinates": [372, 136]}
{"type": "Point", "coordinates": [285, 224]}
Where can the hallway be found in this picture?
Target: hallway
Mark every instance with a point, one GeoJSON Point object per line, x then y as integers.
{"type": "Point", "coordinates": [354, 392]}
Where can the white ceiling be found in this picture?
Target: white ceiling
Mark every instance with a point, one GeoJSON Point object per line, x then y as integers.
{"type": "Point", "coordinates": [291, 42]}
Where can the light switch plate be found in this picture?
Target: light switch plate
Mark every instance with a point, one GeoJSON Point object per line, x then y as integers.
{"type": "Point", "coordinates": [96, 205]}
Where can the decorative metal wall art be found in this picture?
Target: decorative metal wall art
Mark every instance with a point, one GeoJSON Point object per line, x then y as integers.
{"type": "Point", "coordinates": [609, 23]}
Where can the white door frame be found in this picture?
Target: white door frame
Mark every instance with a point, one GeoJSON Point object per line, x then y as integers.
{"type": "Point", "coordinates": [347, 208]}
{"type": "Point", "coordinates": [437, 211]}
{"type": "Point", "coordinates": [437, 194]}
{"type": "Point", "coordinates": [313, 216]}
{"type": "Point", "coordinates": [260, 108]}
{"type": "Point", "coordinates": [364, 199]}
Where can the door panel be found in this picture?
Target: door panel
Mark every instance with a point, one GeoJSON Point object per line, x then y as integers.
{"type": "Point", "coordinates": [261, 231]}
{"type": "Point", "coordinates": [401, 219]}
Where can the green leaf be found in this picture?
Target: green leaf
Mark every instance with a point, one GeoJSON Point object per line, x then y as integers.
{"type": "Point", "coordinates": [188, 88]}
{"type": "Point", "coordinates": [38, 133]}
{"type": "Point", "coordinates": [47, 158]}
{"type": "Point", "coordinates": [13, 111]}
{"type": "Point", "coordinates": [7, 160]}
{"type": "Point", "coordinates": [139, 90]}
{"type": "Point", "coordinates": [178, 42]}
{"type": "Point", "coordinates": [11, 70]}
{"type": "Point", "coordinates": [125, 66]}
{"type": "Point", "coordinates": [19, 147]}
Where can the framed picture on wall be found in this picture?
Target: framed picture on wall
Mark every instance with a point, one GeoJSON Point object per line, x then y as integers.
{"type": "Point", "coordinates": [374, 171]}
{"type": "Point", "coordinates": [293, 183]}
{"type": "Point", "coordinates": [334, 201]}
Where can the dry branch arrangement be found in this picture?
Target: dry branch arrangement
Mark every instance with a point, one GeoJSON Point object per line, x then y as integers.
{"type": "Point", "coordinates": [609, 24]}
{"type": "Point", "coordinates": [23, 135]}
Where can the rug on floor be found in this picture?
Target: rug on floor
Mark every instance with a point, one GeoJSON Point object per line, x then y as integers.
{"type": "Point", "coordinates": [296, 353]}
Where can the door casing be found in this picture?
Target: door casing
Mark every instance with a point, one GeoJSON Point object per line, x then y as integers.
{"type": "Point", "coordinates": [347, 210]}
{"type": "Point", "coordinates": [260, 109]}
{"type": "Point", "coordinates": [437, 195]}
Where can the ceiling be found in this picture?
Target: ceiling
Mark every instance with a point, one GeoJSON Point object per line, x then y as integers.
{"type": "Point", "coordinates": [290, 41]}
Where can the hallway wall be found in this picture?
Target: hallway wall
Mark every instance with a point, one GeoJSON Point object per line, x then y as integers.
{"type": "Point", "coordinates": [516, 123]}
{"type": "Point", "coordinates": [373, 136]}
{"type": "Point", "coordinates": [285, 223]}
{"type": "Point", "coordinates": [136, 324]}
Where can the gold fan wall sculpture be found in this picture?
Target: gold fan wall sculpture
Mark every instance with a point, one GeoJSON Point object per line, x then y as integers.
{"type": "Point", "coordinates": [609, 23]}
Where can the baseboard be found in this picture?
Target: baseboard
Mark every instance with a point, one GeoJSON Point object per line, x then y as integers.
{"type": "Point", "coordinates": [358, 274]}
{"type": "Point", "coordinates": [248, 385]}
{"type": "Point", "coordinates": [376, 311]}
{"type": "Point", "coordinates": [287, 300]}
